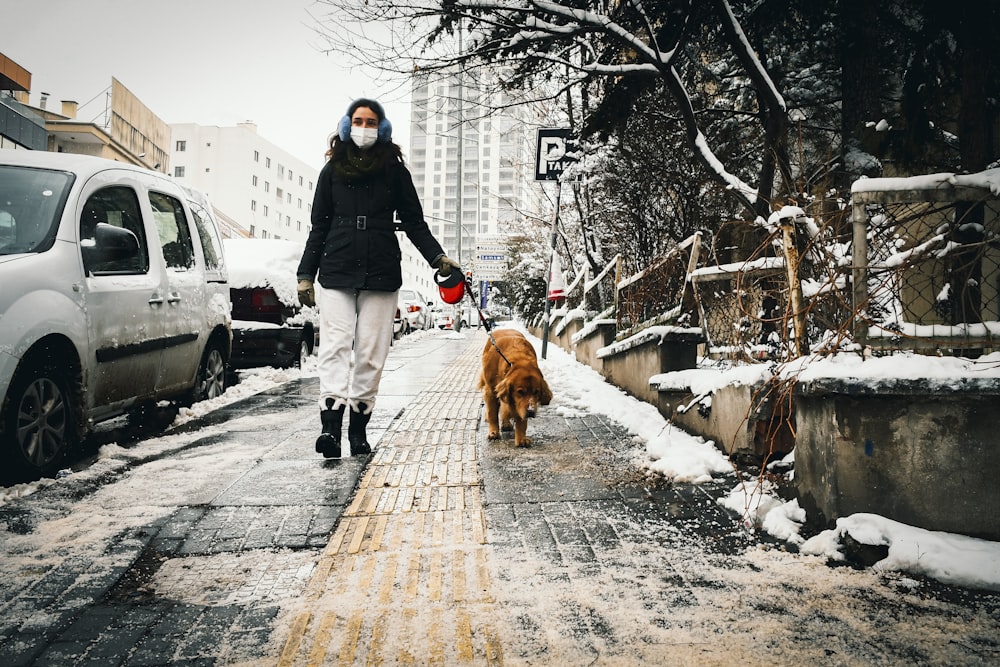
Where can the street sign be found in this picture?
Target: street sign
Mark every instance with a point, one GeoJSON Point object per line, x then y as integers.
{"type": "Point", "coordinates": [554, 152]}
{"type": "Point", "coordinates": [491, 258]}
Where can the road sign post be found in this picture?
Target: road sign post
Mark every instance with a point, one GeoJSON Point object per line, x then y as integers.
{"type": "Point", "coordinates": [554, 153]}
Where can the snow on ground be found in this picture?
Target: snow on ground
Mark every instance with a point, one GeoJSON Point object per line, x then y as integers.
{"type": "Point", "coordinates": [667, 450]}
{"type": "Point", "coordinates": [949, 558]}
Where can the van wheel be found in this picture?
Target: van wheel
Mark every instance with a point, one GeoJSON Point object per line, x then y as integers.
{"type": "Point", "coordinates": [39, 413]}
{"type": "Point", "coordinates": [211, 380]}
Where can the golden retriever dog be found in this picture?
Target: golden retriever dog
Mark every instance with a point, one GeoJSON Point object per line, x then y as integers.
{"type": "Point", "coordinates": [512, 385]}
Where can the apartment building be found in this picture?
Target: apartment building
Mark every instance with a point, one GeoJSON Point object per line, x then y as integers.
{"type": "Point", "coordinates": [261, 187]}
{"type": "Point", "coordinates": [472, 167]}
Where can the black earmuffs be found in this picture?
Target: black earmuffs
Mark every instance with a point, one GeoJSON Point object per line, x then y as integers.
{"type": "Point", "coordinates": [384, 126]}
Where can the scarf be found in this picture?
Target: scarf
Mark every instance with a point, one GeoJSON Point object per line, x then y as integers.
{"type": "Point", "coordinates": [358, 164]}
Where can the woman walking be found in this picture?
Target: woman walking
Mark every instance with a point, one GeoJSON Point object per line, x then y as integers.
{"type": "Point", "coordinates": [353, 247]}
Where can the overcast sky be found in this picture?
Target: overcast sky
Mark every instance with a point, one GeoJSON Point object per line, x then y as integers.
{"type": "Point", "coordinates": [211, 62]}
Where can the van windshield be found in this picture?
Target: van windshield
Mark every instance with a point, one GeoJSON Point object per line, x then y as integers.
{"type": "Point", "coordinates": [31, 205]}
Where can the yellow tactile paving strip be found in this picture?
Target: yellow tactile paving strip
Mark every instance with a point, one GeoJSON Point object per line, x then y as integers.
{"type": "Point", "coordinates": [405, 578]}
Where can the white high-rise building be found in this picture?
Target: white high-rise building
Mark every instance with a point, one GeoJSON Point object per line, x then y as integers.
{"type": "Point", "coordinates": [256, 184]}
{"type": "Point", "coordinates": [469, 208]}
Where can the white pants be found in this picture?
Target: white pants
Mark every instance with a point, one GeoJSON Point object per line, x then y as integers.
{"type": "Point", "coordinates": [358, 321]}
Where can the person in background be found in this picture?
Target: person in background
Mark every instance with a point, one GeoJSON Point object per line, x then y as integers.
{"type": "Point", "coordinates": [353, 247]}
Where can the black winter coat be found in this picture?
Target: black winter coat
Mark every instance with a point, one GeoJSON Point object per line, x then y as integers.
{"type": "Point", "coordinates": [353, 242]}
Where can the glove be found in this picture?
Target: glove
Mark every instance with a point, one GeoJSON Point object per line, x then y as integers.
{"type": "Point", "coordinates": [445, 264]}
{"type": "Point", "coordinates": [307, 296]}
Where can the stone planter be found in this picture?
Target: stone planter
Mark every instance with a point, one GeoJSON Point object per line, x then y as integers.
{"type": "Point", "coordinates": [748, 421]}
{"type": "Point", "coordinates": [630, 363]}
{"type": "Point", "coordinates": [927, 459]}
{"type": "Point", "coordinates": [590, 339]}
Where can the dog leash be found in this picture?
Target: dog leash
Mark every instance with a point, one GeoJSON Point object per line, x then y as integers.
{"type": "Point", "coordinates": [486, 324]}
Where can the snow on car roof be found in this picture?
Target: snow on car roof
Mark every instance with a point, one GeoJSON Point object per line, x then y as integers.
{"type": "Point", "coordinates": [265, 263]}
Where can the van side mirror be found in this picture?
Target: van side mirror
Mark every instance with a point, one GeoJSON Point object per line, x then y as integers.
{"type": "Point", "coordinates": [110, 248]}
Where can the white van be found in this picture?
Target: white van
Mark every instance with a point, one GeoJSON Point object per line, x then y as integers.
{"type": "Point", "coordinates": [113, 295]}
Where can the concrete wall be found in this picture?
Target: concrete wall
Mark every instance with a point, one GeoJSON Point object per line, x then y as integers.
{"type": "Point", "coordinates": [927, 459]}
{"type": "Point", "coordinates": [631, 369]}
{"type": "Point", "coordinates": [745, 421]}
{"type": "Point", "coordinates": [586, 347]}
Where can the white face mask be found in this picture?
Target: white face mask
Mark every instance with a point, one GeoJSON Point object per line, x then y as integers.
{"type": "Point", "coordinates": [364, 137]}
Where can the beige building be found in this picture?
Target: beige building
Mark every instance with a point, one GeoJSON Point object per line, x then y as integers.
{"type": "Point", "coordinates": [131, 132]}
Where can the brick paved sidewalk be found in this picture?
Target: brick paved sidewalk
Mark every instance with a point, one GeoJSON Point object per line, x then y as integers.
{"type": "Point", "coordinates": [405, 577]}
{"type": "Point", "coordinates": [455, 550]}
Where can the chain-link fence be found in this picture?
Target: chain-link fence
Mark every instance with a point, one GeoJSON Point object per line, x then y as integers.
{"type": "Point", "coordinates": [659, 294]}
{"type": "Point", "coordinates": [930, 275]}
{"type": "Point", "coordinates": [921, 272]}
{"type": "Point", "coordinates": [743, 313]}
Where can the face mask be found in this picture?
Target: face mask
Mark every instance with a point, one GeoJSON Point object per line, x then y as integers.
{"type": "Point", "coordinates": [364, 137]}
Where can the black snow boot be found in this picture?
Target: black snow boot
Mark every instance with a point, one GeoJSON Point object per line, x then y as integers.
{"type": "Point", "coordinates": [356, 435]}
{"type": "Point", "coordinates": [328, 442]}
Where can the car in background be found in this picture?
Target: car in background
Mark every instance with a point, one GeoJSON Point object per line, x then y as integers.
{"type": "Point", "coordinates": [455, 318]}
{"type": "Point", "coordinates": [415, 311]}
{"type": "Point", "coordinates": [270, 326]}
{"type": "Point", "coordinates": [114, 298]}
{"type": "Point", "coordinates": [398, 328]}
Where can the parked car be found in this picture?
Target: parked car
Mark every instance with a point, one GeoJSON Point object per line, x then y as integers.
{"type": "Point", "coordinates": [398, 328]}
{"type": "Point", "coordinates": [415, 308]}
{"type": "Point", "coordinates": [270, 326]}
{"type": "Point", "coordinates": [455, 318]}
{"type": "Point", "coordinates": [114, 296]}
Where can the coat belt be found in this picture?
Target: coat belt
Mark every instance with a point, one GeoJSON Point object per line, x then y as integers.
{"type": "Point", "coordinates": [364, 222]}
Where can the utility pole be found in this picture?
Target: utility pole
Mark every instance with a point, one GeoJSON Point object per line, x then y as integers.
{"type": "Point", "coordinates": [458, 181]}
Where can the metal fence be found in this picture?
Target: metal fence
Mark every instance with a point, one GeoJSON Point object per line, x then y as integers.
{"type": "Point", "coordinates": [916, 267]}
{"type": "Point", "coordinates": [926, 263]}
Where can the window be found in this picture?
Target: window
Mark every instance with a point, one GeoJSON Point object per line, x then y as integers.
{"type": "Point", "coordinates": [253, 230]}
{"type": "Point", "coordinates": [178, 172]}
{"type": "Point", "coordinates": [172, 228]}
{"type": "Point", "coordinates": [279, 193]}
{"type": "Point", "coordinates": [256, 156]}
{"type": "Point", "coordinates": [253, 204]}
{"type": "Point", "coordinates": [254, 179]}
{"type": "Point", "coordinates": [180, 146]}
{"type": "Point", "coordinates": [119, 207]}
{"type": "Point", "coordinates": [265, 210]}
{"type": "Point", "coordinates": [211, 244]}
{"type": "Point", "coordinates": [267, 186]}
{"type": "Point", "coordinates": [267, 162]}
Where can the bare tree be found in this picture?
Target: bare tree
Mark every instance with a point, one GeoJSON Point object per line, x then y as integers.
{"type": "Point", "coordinates": [564, 45]}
